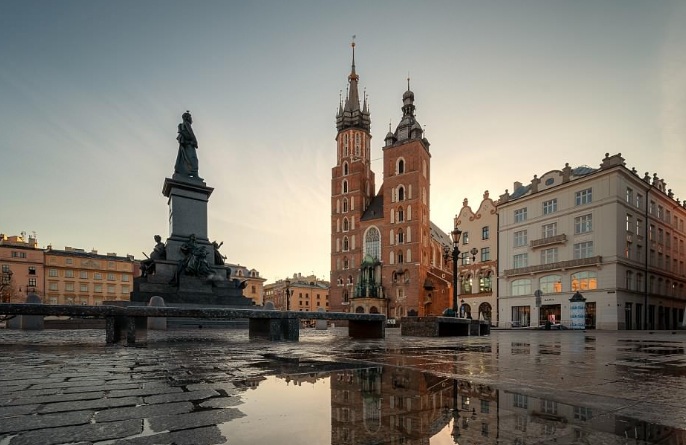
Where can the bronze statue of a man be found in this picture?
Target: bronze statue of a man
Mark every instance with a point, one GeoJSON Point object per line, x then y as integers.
{"type": "Point", "coordinates": [159, 253]}
{"type": "Point", "coordinates": [187, 159]}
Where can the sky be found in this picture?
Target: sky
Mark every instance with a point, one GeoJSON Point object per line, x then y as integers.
{"type": "Point", "coordinates": [92, 92]}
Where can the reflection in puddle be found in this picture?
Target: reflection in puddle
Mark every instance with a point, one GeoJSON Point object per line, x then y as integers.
{"type": "Point", "coordinates": [394, 405]}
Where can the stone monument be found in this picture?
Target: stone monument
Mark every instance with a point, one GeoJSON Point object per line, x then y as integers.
{"type": "Point", "coordinates": [187, 269]}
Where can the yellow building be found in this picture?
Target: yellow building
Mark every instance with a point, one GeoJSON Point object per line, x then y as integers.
{"type": "Point", "coordinates": [254, 283]}
{"type": "Point", "coordinates": [307, 294]}
{"type": "Point", "coordinates": [74, 276]}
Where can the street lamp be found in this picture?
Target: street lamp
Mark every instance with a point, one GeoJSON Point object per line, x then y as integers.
{"type": "Point", "coordinates": [455, 235]}
{"type": "Point", "coordinates": [289, 292]}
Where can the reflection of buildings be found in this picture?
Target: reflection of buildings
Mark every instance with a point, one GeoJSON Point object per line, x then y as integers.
{"type": "Point", "coordinates": [402, 406]}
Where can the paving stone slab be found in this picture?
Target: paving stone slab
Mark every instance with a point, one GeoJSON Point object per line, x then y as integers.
{"type": "Point", "coordinates": [18, 410]}
{"type": "Point", "coordinates": [102, 387]}
{"type": "Point", "coordinates": [194, 420]}
{"type": "Point", "coordinates": [145, 391]}
{"type": "Point", "coordinates": [54, 398]}
{"type": "Point", "coordinates": [221, 402]}
{"type": "Point", "coordinates": [143, 411]}
{"type": "Point", "coordinates": [206, 435]}
{"type": "Point", "coordinates": [88, 433]}
{"type": "Point", "coordinates": [182, 396]}
{"type": "Point", "coordinates": [36, 422]}
{"type": "Point", "coordinates": [90, 404]}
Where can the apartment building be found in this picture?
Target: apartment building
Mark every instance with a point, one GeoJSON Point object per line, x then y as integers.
{"type": "Point", "coordinates": [299, 293]}
{"type": "Point", "coordinates": [609, 234]}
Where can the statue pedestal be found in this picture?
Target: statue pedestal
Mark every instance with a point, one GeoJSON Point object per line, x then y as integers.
{"type": "Point", "coordinates": [187, 201]}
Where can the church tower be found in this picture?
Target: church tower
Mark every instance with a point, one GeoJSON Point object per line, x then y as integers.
{"type": "Point", "coordinates": [352, 189]}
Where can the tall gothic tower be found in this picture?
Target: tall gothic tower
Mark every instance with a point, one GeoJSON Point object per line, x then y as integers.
{"type": "Point", "coordinates": [386, 255]}
{"type": "Point", "coordinates": [352, 189]}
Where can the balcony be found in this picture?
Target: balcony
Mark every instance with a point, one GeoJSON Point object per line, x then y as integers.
{"type": "Point", "coordinates": [560, 265]}
{"type": "Point", "coordinates": [557, 239]}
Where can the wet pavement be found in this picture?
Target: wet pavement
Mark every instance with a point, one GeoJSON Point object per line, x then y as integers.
{"type": "Point", "coordinates": [217, 386]}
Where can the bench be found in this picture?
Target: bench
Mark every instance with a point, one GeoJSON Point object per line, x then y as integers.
{"type": "Point", "coordinates": [130, 322]}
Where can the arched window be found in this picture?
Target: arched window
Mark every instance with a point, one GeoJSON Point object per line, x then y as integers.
{"type": "Point", "coordinates": [346, 263]}
{"type": "Point", "coordinates": [550, 284]}
{"type": "Point", "coordinates": [401, 236]}
{"type": "Point", "coordinates": [401, 193]}
{"type": "Point", "coordinates": [346, 224]}
{"type": "Point", "coordinates": [521, 287]}
{"type": "Point", "coordinates": [401, 166]}
{"type": "Point", "coordinates": [372, 243]}
{"type": "Point", "coordinates": [350, 279]}
{"type": "Point", "coordinates": [346, 244]}
{"type": "Point", "coordinates": [400, 257]}
{"type": "Point", "coordinates": [359, 310]}
{"type": "Point", "coordinates": [345, 205]}
{"type": "Point", "coordinates": [345, 168]}
{"type": "Point", "coordinates": [401, 215]}
{"type": "Point", "coordinates": [345, 186]}
{"type": "Point", "coordinates": [584, 280]}
{"type": "Point", "coordinates": [346, 296]}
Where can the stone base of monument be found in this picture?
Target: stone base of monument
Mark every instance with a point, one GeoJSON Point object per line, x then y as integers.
{"type": "Point", "coordinates": [214, 290]}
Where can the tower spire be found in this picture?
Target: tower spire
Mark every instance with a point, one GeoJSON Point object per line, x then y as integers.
{"type": "Point", "coordinates": [352, 115]}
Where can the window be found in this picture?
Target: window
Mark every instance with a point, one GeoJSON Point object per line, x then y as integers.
{"type": "Point", "coordinates": [629, 223]}
{"type": "Point", "coordinates": [16, 254]}
{"type": "Point", "coordinates": [83, 274]}
{"type": "Point", "coordinates": [629, 280]}
{"type": "Point", "coordinates": [550, 284]}
{"type": "Point", "coordinates": [83, 287]}
{"type": "Point", "coordinates": [485, 282]}
{"type": "Point", "coordinates": [584, 281]}
{"type": "Point", "coordinates": [401, 166]}
{"type": "Point", "coordinates": [520, 260]}
{"type": "Point", "coordinates": [520, 238]}
{"type": "Point", "coordinates": [124, 277]}
{"type": "Point", "coordinates": [583, 224]}
{"type": "Point", "coordinates": [70, 261]}
{"type": "Point", "coordinates": [583, 250]}
{"type": "Point", "coordinates": [466, 284]}
{"type": "Point", "coordinates": [549, 256]}
{"type": "Point", "coordinates": [111, 265]}
{"type": "Point", "coordinates": [550, 206]}
{"type": "Point", "coordinates": [346, 224]}
{"type": "Point", "coordinates": [52, 286]}
{"type": "Point", "coordinates": [52, 272]}
{"type": "Point", "coordinates": [520, 215]}
{"type": "Point", "coordinates": [629, 195]}
{"type": "Point", "coordinates": [346, 244]}
{"type": "Point", "coordinates": [32, 270]}
{"type": "Point", "coordinates": [97, 276]}
{"type": "Point", "coordinates": [372, 243]}
{"type": "Point", "coordinates": [69, 287]}
{"type": "Point", "coordinates": [639, 200]}
{"type": "Point", "coordinates": [345, 205]}
{"type": "Point", "coordinates": [465, 237]}
{"type": "Point", "coordinates": [549, 230]}
{"type": "Point", "coordinates": [401, 193]}
{"type": "Point", "coordinates": [110, 288]}
{"type": "Point", "coordinates": [125, 289]}
{"type": "Point", "coordinates": [401, 236]}
{"type": "Point", "coordinates": [584, 197]}
{"type": "Point", "coordinates": [484, 232]}
{"type": "Point", "coordinates": [485, 254]}
{"type": "Point", "coordinates": [401, 215]}
{"type": "Point", "coordinates": [520, 401]}
{"type": "Point", "coordinates": [33, 282]}
{"type": "Point", "coordinates": [345, 187]}
{"type": "Point", "coordinates": [400, 257]}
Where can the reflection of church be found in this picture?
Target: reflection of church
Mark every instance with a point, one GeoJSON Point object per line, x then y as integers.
{"type": "Point", "coordinates": [398, 405]}
{"type": "Point", "coordinates": [386, 255]}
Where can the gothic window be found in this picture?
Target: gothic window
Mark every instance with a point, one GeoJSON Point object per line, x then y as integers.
{"type": "Point", "coordinates": [401, 236]}
{"type": "Point", "coordinates": [400, 257]}
{"type": "Point", "coordinates": [346, 224]}
{"type": "Point", "coordinates": [346, 263]}
{"type": "Point", "coordinates": [345, 205]}
{"type": "Point", "coordinates": [345, 187]}
{"type": "Point", "coordinates": [345, 168]}
{"type": "Point", "coordinates": [346, 244]}
{"type": "Point", "coordinates": [372, 243]}
{"type": "Point", "coordinates": [401, 193]}
{"type": "Point", "coordinates": [401, 166]}
{"type": "Point", "coordinates": [401, 215]}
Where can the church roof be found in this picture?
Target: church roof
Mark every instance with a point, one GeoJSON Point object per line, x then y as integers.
{"type": "Point", "coordinates": [350, 115]}
{"type": "Point", "coordinates": [440, 236]}
{"type": "Point", "coordinates": [375, 209]}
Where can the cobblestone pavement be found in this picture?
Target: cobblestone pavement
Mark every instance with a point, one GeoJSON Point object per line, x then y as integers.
{"type": "Point", "coordinates": [68, 387]}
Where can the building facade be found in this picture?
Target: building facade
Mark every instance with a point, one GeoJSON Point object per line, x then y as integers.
{"type": "Point", "coordinates": [254, 283]}
{"type": "Point", "coordinates": [299, 293]}
{"type": "Point", "coordinates": [613, 236]}
{"type": "Point", "coordinates": [386, 255]}
{"type": "Point", "coordinates": [74, 276]}
{"type": "Point", "coordinates": [478, 262]}
{"type": "Point", "coordinates": [21, 268]}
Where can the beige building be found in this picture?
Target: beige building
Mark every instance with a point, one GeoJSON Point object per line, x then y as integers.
{"type": "Point", "coordinates": [307, 293]}
{"type": "Point", "coordinates": [74, 276]}
{"type": "Point", "coordinates": [477, 265]}
{"type": "Point", "coordinates": [615, 237]}
{"type": "Point", "coordinates": [21, 268]}
{"type": "Point", "coordinates": [254, 283]}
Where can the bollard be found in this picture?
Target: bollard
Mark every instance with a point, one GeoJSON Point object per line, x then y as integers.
{"type": "Point", "coordinates": [321, 325]}
{"type": "Point", "coordinates": [157, 323]}
{"type": "Point", "coordinates": [32, 322]}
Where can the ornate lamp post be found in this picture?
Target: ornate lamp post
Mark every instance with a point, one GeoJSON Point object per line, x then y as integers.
{"type": "Point", "coordinates": [455, 234]}
{"type": "Point", "coordinates": [289, 292]}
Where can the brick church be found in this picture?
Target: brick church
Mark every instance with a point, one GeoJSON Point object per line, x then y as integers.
{"type": "Point", "coordinates": [386, 255]}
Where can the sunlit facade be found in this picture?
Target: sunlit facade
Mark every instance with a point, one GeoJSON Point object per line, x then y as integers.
{"type": "Point", "coordinates": [615, 237]}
